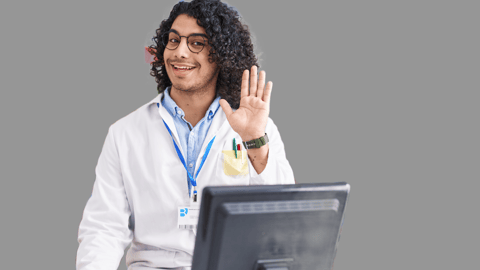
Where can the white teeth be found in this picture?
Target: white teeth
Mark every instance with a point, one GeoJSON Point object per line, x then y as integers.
{"type": "Point", "coordinates": [188, 68]}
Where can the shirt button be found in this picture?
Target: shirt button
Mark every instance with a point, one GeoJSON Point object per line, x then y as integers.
{"type": "Point", "coordinates": [191, 165]}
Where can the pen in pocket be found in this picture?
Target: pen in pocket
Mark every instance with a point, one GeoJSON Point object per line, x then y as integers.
{"type": "Point", "coordinates": [235, 147]}
{"type": "Point", "coordinates": [241, 152]}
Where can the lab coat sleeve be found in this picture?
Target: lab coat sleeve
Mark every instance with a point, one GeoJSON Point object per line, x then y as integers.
{"type": "Point", "coordinates": [104, 233]}
{"type": "Point", "coordinates": [278, 170]}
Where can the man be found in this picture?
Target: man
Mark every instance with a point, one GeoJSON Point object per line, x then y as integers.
{"type": "Point", "coordinates": [156, 160]}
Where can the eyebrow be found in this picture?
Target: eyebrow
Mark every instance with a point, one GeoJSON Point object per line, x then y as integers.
{"type": "Point", "coordinates": [194, 34]}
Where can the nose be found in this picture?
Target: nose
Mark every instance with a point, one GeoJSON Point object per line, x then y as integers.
{"type": "Point", "coordinates": [182, 50]}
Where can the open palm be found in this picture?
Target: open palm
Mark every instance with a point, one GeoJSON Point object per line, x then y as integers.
{"type": "Point", "coordinates": [250, 119]}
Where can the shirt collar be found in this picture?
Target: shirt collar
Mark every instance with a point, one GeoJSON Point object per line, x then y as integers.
{"type": "Point", "coordinates": [170, 105]}
{"type": "Point", "coordinates": [175, 110]}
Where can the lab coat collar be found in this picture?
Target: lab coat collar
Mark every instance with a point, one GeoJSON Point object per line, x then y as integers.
{"type": "Point", "coordinates": [156, 100]}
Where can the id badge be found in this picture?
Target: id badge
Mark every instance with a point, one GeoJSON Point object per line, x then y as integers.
{"type": "Point", "coordinates": [188, 216]}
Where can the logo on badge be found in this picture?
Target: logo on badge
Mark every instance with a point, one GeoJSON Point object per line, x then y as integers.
{"type": "Point", "coordinates": [183, 212]}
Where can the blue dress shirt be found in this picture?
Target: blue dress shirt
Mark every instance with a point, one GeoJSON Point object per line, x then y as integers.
{"type": "Point", "coordinates": [191, 138]}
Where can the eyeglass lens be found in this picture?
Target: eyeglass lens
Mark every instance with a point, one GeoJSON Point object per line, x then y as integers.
{"type": "Point", "coordinates": [171, 41]}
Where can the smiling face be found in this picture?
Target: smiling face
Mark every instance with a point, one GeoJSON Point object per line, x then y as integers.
{"type": "Point", "coordinates": [188, 71]}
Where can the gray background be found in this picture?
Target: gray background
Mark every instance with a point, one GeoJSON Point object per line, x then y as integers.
{"type": "Point", "coordinates": [380, 94]}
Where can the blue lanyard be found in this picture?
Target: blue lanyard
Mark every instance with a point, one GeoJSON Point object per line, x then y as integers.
{"type": "Point", "coordinates": [193, 181]}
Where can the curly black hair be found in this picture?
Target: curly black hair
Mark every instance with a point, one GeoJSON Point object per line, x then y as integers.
{"type": "Point", "coordinates": [231, 45]}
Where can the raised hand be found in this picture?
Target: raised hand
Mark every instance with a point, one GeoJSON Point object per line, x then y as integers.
{"type": "Point", "coordinates": [250, 119]}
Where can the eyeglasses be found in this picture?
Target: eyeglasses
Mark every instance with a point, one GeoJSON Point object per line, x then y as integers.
{"type": "Point", "coordinates": [195, 42]}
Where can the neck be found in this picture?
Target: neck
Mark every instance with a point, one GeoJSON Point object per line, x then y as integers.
{"type": "Point", "coordinates": [194, 105]}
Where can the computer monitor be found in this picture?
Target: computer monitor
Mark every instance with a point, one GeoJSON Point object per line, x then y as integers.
{"type": "Point", "coordinates": [294, 227]}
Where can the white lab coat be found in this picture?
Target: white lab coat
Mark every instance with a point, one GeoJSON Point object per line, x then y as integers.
{"type": "Point", "coordinates": [141, 182]}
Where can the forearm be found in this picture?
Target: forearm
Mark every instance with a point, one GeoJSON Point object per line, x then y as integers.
{"type": "Point", "coordinates": [259, 157]}
{"type": "Point", "coordinates": [268, 164]}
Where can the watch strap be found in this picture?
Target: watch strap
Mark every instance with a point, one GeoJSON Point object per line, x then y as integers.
{"type": "Point", "coordinates": [256, 143]}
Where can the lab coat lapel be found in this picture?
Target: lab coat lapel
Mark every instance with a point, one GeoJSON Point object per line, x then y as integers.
{"type": "Point", "coordinates": [219, 123]}
{"type": "Point", "coordinates": [169, 120]}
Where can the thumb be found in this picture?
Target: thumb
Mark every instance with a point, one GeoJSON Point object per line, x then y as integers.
{"type": "Point", "coordinates": [226, 107]}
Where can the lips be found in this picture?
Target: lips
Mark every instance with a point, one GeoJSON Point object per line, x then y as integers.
{"type": "Point", "coordinates": [181, 70]}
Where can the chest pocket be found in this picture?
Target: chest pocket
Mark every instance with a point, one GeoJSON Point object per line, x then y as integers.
{"type": "Point", "coordinates": [230, 169]}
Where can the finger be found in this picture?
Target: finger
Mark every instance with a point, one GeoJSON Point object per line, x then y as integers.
{"type": "Point", "coordinates": [268, 92]}
{"type": "Point", "coordinates": [261, 84]}
{"type": "Point", "coordinates": [226, 108]}
{"type": "Point", "coordinates": [244, 89]}
{"type": "Point", "coordinates": [253, 82]}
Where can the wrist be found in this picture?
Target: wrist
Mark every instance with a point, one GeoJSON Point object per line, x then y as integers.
{"type": "Point", "coordinates": [258, 142]}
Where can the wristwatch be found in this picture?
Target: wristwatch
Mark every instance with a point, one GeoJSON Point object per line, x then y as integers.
{"type": "Point", "coordinates": [256, 143]}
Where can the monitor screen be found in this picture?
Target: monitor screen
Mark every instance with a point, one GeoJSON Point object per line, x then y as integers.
{"type": "Point", "coordinates": [294, 227]}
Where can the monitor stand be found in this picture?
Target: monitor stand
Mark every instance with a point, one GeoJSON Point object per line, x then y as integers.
{"type": "Point", "coordinates": [274, 264]}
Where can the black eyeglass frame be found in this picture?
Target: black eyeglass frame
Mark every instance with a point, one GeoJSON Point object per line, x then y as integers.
{"type": "Point", "coordinates": [165, 37]}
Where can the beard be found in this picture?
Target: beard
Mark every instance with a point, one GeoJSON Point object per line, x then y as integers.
{"type": "Point", "coordinates": [202, 85]}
